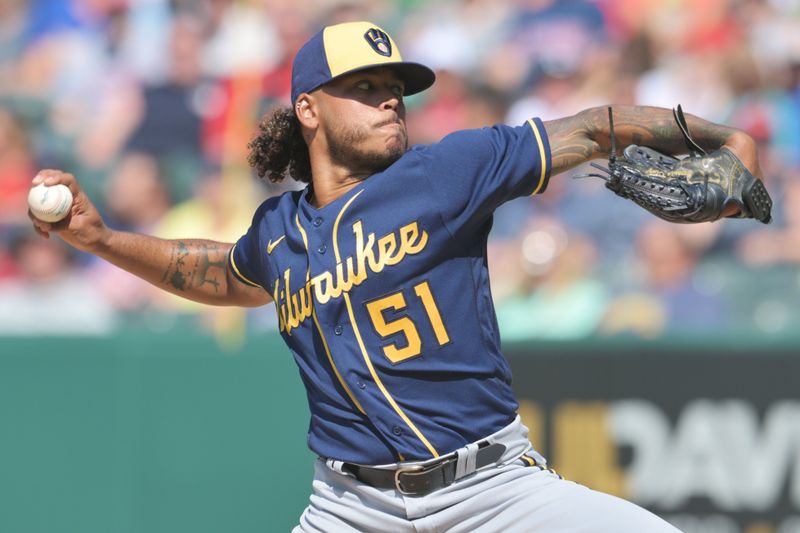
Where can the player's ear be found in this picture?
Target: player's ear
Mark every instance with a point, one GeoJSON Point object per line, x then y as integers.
{"type": "Point", "coordinates": [306, 110]}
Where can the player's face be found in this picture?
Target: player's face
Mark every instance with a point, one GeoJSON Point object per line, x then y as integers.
{"type": "Point", "coordinates": [363, 118]}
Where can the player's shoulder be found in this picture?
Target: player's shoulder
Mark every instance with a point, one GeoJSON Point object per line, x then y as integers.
{"type": "Point", "coordinates": [465, 146]}
{"type": "Point", "coordinates": [462, 141]}
{"type": "Point", "coordinates": [279, 205]}
{"type": "Point", "coordinates": [451, 138]}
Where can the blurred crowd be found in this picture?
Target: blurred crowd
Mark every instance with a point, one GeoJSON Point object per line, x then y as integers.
{"type": "Point", "coordinates": [151, 104]}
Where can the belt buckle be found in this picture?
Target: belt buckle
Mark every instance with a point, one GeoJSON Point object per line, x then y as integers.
{"type": "Point", "coordinates": [403, 470]}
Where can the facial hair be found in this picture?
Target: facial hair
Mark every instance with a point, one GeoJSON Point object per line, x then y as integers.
{"type": "Point", "coordinates": [344, 142]}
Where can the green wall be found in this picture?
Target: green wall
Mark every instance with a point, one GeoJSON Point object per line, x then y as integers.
{"type": "Point", "coordinates": [150, 433]}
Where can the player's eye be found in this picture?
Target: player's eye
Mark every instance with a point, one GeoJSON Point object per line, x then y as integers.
{"type": "Point", "coordinates": [398, 90]}
{"type": "Point", "coordinates": [364, 85]}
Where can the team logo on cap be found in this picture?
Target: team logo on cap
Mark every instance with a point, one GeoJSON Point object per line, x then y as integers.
{"type": "Point", "coordinates": [379, 41]}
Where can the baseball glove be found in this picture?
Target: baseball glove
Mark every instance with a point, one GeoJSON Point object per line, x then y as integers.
{"type": "Point", "coordinates": [697, 188]}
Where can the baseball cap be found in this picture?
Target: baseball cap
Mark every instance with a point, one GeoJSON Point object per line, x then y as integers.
{"type": "Point", "coordinates": [350, 47]}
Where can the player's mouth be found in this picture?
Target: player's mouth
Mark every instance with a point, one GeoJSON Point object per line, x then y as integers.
{"type": "Point", "coordinates": [389, 123]}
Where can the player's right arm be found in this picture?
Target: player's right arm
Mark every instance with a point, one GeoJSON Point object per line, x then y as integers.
{"type": "Point", "coordinates": [192, 268]}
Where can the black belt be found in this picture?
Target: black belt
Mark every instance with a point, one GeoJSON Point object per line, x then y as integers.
{"type": "Point", "coordinates": [418, 480]}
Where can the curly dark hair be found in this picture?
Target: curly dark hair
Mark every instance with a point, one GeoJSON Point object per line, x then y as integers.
{"type": "Point", "coordinates": [279, 149]}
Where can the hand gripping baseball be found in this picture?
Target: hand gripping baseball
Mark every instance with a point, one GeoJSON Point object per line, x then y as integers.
{"type": "Point", "coordinates": [698, 188]}
{"type": "Point", "coordinates": [83, 228]}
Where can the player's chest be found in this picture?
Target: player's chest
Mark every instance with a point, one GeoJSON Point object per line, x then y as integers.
{"type": "Point", "coordinates": [360, 247]}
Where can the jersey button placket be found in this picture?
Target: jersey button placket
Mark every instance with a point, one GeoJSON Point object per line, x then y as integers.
{"type": "Point", "coordinates": [317, 222]}
{"type": "Point", "coordinates": [321, 248]}
{"type": "Point", "coordinates": [338, 330]}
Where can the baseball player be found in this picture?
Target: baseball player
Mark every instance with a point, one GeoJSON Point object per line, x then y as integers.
{"type": "Point", "coordinates": [379, 277]}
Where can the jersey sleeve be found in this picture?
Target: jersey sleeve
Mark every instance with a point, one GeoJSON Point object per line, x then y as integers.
{"type": "Point", "coordinates": [245, 259]}
{"type": "Point", "coordinates": [473, 172]}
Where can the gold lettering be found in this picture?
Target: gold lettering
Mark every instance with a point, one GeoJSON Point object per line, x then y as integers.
{"type": "Point", "coordinates": [291, 302]}
{"type": "Point", "coordinates": [364, 253]}
{"type": "Point", "coordinates": [409, 234]}
{"type": "Point", "coordinates": [342, 284]}
{"type": "Point", "coordinates": [322, 286]}
{"type": "Point", "coordinates": [306, 304]}
{"type": "Point", "coordinates": [283, 319]}
{"type": "Point", "coordinates": [349, 273]}
{"type": "Point", "coordinates": [296, 308]}
{"type": "Point", "coordinates": [279, 306]}
{"type": "Point", "coordinates": [386, 247]}
{"type": "Point", "coordinates": [359, 278]}
{"type": "Point", "coordinates": [293, 311]}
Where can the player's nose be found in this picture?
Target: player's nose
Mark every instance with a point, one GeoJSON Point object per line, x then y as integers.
{"type": "Point", "coordinates": [391, 102]}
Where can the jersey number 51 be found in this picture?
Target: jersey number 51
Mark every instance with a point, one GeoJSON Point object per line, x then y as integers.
{"type": "Point", "coordinates": [404, 324]}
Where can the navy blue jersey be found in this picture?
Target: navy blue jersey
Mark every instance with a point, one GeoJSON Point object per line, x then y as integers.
{"type": "Point", "coordinates": [383, 296]}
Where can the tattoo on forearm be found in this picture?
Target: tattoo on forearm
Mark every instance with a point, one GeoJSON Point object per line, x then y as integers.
{"type": "Point", "coordinates": [656, 127]}
{"type": "Point", "coordinates": [569, 144]}
{"type": "Point", "coordinates": [569, 155]}
{"type": "Point", "coordinates": [194, 265]}
{"type": "Point", "coordinates": [586, 135]}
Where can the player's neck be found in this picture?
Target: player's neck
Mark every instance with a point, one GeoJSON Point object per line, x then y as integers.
{"type": "Point", "coordinates": [323, 193]}
{"type": "Point", "coordinates": [331, 182]}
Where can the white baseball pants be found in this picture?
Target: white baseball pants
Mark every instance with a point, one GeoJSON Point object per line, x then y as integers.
{"type": "Point", "coordinates": [512, 497]}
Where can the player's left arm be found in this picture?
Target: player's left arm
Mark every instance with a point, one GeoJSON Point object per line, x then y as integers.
{"type": "Point", "coordinates": [586, 135]}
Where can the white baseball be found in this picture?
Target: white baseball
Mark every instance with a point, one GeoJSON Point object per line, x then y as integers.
{"type": "Point", "coordinates": [50, 204]}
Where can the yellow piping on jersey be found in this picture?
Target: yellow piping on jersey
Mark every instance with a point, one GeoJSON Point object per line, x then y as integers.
{"type": "Point", "coordinates": [336, 226]}
{"type": "Point", "coordinates": [335, 370]}
{"type": "Point", "coordinates": [236, 269]}
{"type": "Point", "coordinates": [364, 353]}
{"type": "Point", "coordinates": [319, 328]}
{"type": "Point", "coordinates": [305, 243]}
{"type": "Point", "coordinates": [542, 156]}
{"type": "Point", "coordinates": [378, 381]}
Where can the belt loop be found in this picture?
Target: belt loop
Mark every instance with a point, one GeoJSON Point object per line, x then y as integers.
{"type": "Point", "coordinates": [337, 466]}
{"type": "Point", "coordinates": [465, 464]}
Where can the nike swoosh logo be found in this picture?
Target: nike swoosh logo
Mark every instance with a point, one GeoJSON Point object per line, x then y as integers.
{"type": "Point", "coordinates": [271, 245]}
